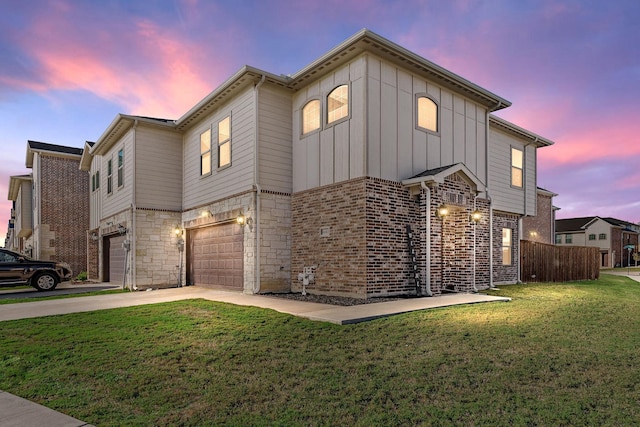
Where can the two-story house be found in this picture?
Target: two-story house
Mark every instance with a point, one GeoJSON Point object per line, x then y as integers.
{"type": "Point", "coordinates": [22, 214]}
{"type": "Point", "coordinates": [613, 236]}
{"type": "Point", "coordinates": [377, 170]}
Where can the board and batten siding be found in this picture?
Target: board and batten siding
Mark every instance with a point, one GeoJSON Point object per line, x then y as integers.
{"type": "Point", "coordinates": [95, 197]}
{"type": "Point", "coordinates": [336, 152]}
{"type": "Point", "coordinates": [158, 168]}
{"type": "Point", "coordinates": [275, 156]}
{"type": "Point", "coordinates": [505, 197]}
{"type": "Point", "coordinates": [396, 148]}
{"type": "Point", "coordinates": [227, 181]}
{"type": "Point", "coordinates": [121, 197]}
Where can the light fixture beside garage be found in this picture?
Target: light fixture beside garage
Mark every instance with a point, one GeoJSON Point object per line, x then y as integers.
{"type": "Point", "coordinates": [177, 231]}
{"type": "Point", "coordinates": [443, 211]}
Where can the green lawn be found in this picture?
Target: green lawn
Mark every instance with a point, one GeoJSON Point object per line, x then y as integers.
{"type": "Point", "coordinates": [558, 354]}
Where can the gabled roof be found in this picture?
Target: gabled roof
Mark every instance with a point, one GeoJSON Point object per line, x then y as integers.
{"type": "Point", "coordinates": [363, 41]}
{"type": "Point", "coordinates": [438, 175]}
{"type": "Point", "coordinates": [569, 225]}
{"type": "Point", "coordinates": [518, 131]}
{"type": "Point", "coordinates": [368, 41]}
{"type": "Point", "coordinates": [118, 127]}
{"type": "Point", "coordinates": [52, 149]}
{"type": "Point", "coordinates": [15, 183]}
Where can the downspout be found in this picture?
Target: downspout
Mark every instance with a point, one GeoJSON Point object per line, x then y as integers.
{"type": "Point", "coordinates": [256, 185]}
{"type": "Point", "coordinates": [524, 214]}
{"type": "Point", "coordinates": [486, 189]}
{"type": "Point", "coordinates": [427, 238]}
{"type": "Point", "coordinates": [475, 232]}
{"type": "Point", "coordinates": [132, 252]}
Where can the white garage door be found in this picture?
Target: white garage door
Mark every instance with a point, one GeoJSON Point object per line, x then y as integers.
{"type": "Point", "coordinates": [115, 256]}
{"type": "Point", "coordinates": [215, 257]}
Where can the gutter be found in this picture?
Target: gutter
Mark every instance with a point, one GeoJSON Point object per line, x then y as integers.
{"type": "Point", "coordinates": [133, 210]}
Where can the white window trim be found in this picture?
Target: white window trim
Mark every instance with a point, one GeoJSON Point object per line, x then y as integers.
{"type": "Point", "coordinates": [320, 115]}
{"type": "Point", "coordinates": [511, 167]}
{"type": "Point", "coordinates": [227, 141]}
{"type": "Point", "coordinates": [416, 116]}
{"type": "Point", "coordinates": [325, 107]}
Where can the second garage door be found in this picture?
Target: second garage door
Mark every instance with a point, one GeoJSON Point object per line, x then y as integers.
{"type": "Point", "coordinates": [215, 257]}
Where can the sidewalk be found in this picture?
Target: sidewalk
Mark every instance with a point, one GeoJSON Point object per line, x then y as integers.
{"type": "Point", "coordinates": [18, 412]}
{"type": "Point", "coordinates": [320, 312]}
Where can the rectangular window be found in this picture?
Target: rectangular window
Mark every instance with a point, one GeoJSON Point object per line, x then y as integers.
{"type": "Point", "coordinates": [93, 182]}
{"type": "Point", "coordinates": [592, 237]}
{"type": "Point", "coordinates": [224, 142]}
{"type": "Point", "coordinates": [568, 238]}
{"type": "Point", "coordinates": [120, 168]}
{"type": "Point", "coordinates": [205, 152]}
{"type": "Point", "coordinates": [109, 177]}
{"type": "Point", "coordinates": [506, 246]}
{"type": "Point", "coordinates": [558, 239]}
{"type": "Point", "coordinates": [97, 180]}
{"type": "Point", "coordinates": [602, 237]}
{"type": "Point", "coordinates": [516, 167]}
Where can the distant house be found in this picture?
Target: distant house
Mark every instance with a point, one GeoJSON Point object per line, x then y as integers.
{"type": "Point", "coordinates": [21, 214]}
{"type": "Point", "coordinates": [541, 227]}
{"type": "Point", "coordinates": [370, 172]}
{"type": "Point", "coordinates": [55, 229]}
{"type": "Point", "coordinates": [611, 235]}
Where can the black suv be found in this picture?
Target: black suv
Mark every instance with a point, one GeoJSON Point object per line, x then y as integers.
{"type": "Point", "coordinates": [18, 269]}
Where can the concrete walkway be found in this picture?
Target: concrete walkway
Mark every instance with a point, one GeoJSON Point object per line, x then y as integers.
{"type": "Point", "coordinates": [18, 412]}
{"type": "Point", "coordinates": [321, 312]}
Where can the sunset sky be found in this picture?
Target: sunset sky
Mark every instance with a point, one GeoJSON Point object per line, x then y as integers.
{"type": "Point", "coordinates": [571, 68]}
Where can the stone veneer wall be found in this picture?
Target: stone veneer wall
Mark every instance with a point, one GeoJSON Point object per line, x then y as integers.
{"type": "Point", "coordinates": [157, 258]}
{"type": "Point", "coordinates": [505, 273]}
{"type": "Point", "coordinates": [93, 255]}
{"type": "Point", "coordinates": [275, 242]}
{"type": "Point", "coordinates": [328, 228]}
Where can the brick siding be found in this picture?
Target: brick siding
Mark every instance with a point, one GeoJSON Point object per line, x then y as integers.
{"type": "Point", "coordinates": [64, 212]}
{"type": "Point", "coordinates": [539, 228]}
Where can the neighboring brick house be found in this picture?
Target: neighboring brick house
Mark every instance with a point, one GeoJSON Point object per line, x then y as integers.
{"type": "Point", "coordinates": [322, 169]}
{"type": "Point", "coordinates": [60, 204]}
{"type": "Point", "coordinates": [22, 214]}
{"type": "Point", "coordinates": [541, 226]}
{"type": "Point", "coordinates": [611, 235]}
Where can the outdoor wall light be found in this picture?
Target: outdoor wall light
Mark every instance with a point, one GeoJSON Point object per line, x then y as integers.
{"type": "Point", "coordinates": [476, 216]}
{"type": "Point", "coordinates": [177, 230]}
{"type": "Point", "coordinates": [122, 229]}
{"type": "Point", "coordinates": [443, 211]}
{"type": "Point", "coordinates": [94, 236]}
{"type": "Point", "coordinates": [243, 220]}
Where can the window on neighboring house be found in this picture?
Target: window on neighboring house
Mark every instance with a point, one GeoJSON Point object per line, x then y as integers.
{"type": "Point", "coordinates": [205, 152]}
{"type": "Point", "coordinates": [602, 236]}
{"type": "Point", "coordinates": [506, 246]}
{"type": "Point", "coordinates": [568, 238]}
{"type": "Point", "coordinates": [109, 176]}
{"type": "Point", "coordinates": [97, 179]}
{"type": "Point", "coordinates": [427, 114]}
{"type": "Point", "coordinates": [311, 116]}
{"type": "Point", "coordinates": [93, 182]}
{"type": "Point", "coordinates": [120, 168]}
{"type": "Point", "coordinates": [558, 239]}
{"type": "Point", "coordinates": [224, 142]}
{"type": "Point", "coordinates": [338, 104]}
{"type": "Point", "coordinates": [516, 167]}
{"type": "Point", "coordinates": [592, 237]}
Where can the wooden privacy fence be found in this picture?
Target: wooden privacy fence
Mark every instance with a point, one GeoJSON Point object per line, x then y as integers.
{"type": "Point", "coordinates": [540, 262]}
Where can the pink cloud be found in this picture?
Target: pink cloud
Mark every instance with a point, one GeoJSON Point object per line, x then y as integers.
{"type": "Point", "coordinates": [146, 68]}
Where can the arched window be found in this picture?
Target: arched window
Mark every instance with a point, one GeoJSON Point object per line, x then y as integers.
{"type": "Point", "coordinates": [427, 114]}
{"type": "Point", "coordinates": [311, 116]}
{"type": "Point", "coordinates": [338, 104]}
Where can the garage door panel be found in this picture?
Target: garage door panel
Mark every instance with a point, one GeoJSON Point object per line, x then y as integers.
{"type": "Point", "coordinates": [216, 255]}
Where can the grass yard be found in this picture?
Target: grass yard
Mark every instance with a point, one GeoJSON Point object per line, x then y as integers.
{"type": "Point", "coordinates": [558, 354]}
